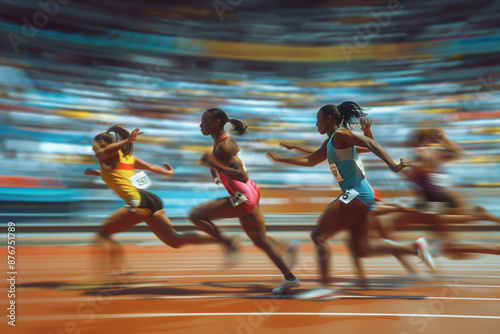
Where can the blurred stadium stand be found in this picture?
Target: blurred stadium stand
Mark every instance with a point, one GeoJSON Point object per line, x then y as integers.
{"type": "Point", "coordinates": [159, 65]}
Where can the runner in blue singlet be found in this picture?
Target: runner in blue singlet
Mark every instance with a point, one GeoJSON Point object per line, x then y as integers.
{"type": "Point", "coordinates": [350, 211]}
{"type": "Point", "coordinates": [349, 172]}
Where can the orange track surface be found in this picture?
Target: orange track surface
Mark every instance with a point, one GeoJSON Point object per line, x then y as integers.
{"type": "Point", "coordinates": [186, 291]}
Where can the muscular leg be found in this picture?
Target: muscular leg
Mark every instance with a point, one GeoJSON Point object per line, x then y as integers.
{"type": "Point", "coordinates": [254, 226]}
{"type": "Point", "coordinates": [465, 248]}
{"type": "Point", "coordinates": [163, 229]}
{"type": "Point", "coordinates": [374, 222]}
{"type": "Point", "coordinates": [356, 257]}
{"type": "Point", "coordinates": [219, 208]}
{"type": "Point", "coordinates": [335, 218]}
{"type": "Point", "coordinates": [386, 208]}
{"type": "Point", "coordinates": [121, 220]}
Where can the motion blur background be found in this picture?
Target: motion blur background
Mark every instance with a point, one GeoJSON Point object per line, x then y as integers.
{"type": "Point", "coordinates": [71, 69]}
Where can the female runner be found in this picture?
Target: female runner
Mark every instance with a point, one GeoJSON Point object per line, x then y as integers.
{"type": "Point", "coordinates": [351, 210]}
{"type": "Point", "coordinates": [440, 207]}
{"type": "Point", "coordinates": [243, 202]}
{"type": "Point", "coordinates": [117, 166]}
{"type": "Point", "coordinates": [380, 207]}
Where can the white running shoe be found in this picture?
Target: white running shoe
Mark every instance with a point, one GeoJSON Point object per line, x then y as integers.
{"type": "Point", "coordinates": [290, 255]}
{"type": "Point", "coordinates": [424, 254]}
{"type": "Point", "coordinates": [286, 285]}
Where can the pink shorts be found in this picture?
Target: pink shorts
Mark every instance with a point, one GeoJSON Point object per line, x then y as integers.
{"type": "Point", "coordinates": [245, 194]}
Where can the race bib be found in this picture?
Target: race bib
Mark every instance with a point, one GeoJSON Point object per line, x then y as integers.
{"type": "Point", "coordinates": [441, 180]}
{"type": "Point", "coordinates": [238, 198]}
{"type": "Point", "coordinates": [335, 172]}
{"type": "Point", "coordinates": [140, 180]}
{"type": "Point", "coordinates": [348, 196]}
{"type": "Point", "coordinates": [360, 166]}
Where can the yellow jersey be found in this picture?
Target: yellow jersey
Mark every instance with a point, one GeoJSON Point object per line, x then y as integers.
{"type": "Point", "coordinates": [119, 180]}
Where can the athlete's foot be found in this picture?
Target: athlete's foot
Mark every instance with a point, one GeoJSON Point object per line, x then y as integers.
{"type": "Point", "coordinates": [424, 254]}
{"type": "Point", "coordinates": [290, 255]}
{"type": "Point", "coordinates": [233, 252]}
{"type": "Point", "coordinates": [287, 285]}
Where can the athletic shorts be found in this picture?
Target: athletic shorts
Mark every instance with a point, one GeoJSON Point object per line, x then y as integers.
{"type": "Point", "coordinates": [363, 191]}
{"type": "Point", "coordinates": [148, 201]}
{"type": "Point", "coordinates": [437, 202]}
{"type": "Point", "coordinates": [245, 194]}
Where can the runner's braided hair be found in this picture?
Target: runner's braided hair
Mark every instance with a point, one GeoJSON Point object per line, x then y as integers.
{"type": "Point", "coordinates": [345, 114]}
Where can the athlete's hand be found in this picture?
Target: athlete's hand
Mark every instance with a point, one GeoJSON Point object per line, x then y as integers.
{"type": "Point", "coordinates": [272, 156]}
{"type": "Point", "coordinates": [169, 169]}
{"type": "Point", "coordinates": [133, 135]}
{"type": "Point", "coordinates": [402, 165]}
{"type": "Point", "coordinates": [366, 123]}
{"type": "Point", "coordinates": [287, 146]}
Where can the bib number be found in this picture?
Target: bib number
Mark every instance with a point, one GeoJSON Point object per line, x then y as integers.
{"type": "Point", "coordinates": [140, 180]}
{"type": "Point", "coordinates": [441, 180]}
{"type": "Point", "coordinates": [238, 198]}
{"type": "Point", "coordinates": [335, 172]}
{"type": "Point", "coordinates": [348, 196]}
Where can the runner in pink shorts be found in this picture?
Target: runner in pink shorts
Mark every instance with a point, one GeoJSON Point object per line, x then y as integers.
{"type": "Point", "coordinates": [243, 202]}
{"type": "Point", "coordinates": [245, 194]}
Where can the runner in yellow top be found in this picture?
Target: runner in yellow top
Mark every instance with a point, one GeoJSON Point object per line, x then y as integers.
{"type": "Point", "coordinates": [117, 168]}
{"type": "Point", "coordinates": [118, 179]}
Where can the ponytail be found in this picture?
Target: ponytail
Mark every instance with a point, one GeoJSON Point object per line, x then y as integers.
{"type": "Point", "coordinates": [345, 114]}
{"type": "Point", "coordinates": [239, 128]}
{"type": "Point", "coordinates": [120, 134]}
{"type": "Point", "coordinates": [351, 112]}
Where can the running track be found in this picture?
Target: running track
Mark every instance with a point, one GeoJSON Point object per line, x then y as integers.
{"type": "Point", "coordinates": [186, 291]}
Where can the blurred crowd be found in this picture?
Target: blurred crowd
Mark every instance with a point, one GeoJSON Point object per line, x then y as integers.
{"type": "Point", "coordinates": [70, 69]}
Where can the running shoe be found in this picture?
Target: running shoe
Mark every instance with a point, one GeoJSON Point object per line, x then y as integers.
{"type": "Point", "coordinates": [286, 285]}
{"type": "Point", "coordinates": [424, 254]}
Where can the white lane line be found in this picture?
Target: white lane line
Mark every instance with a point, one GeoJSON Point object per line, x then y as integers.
{"type": "Point", "coordinates": [340, 296]}
{"type": "Point", "coordinates": [314, 314]}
